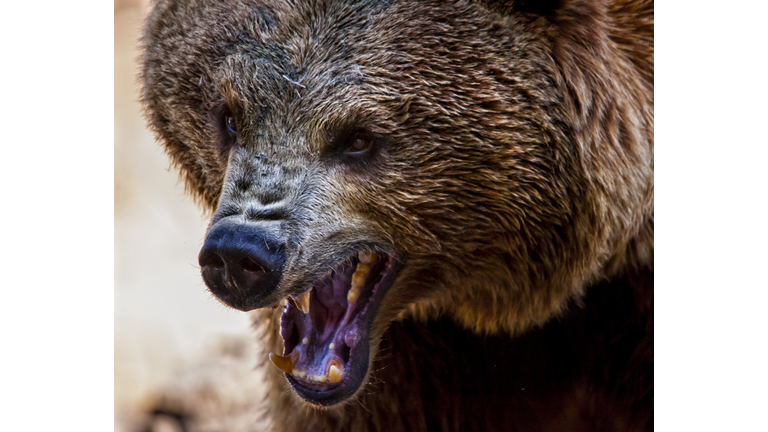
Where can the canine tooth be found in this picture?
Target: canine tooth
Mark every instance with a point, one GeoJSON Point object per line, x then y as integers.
{"type": "Point", "coordinates": [302, 302]}
{"type": "Point", "coordinates": [366, 257]}
{"type": "Point", "coordinates": [335, 372]}
{"type": "Point", "coordinates": [284, 363]}
{"type": "Point", "coordinates": [352, 294]}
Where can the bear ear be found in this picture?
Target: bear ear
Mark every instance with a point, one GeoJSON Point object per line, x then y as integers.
{"type": "Point", "coordinates": [573, 21]}
{"type": "Point", "coordinates": [547, 8]}
{"type": "Point", "coordinates": [561, 12]}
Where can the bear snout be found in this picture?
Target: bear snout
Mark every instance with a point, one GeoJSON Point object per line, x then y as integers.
{"type": "Point", "coordinates": [242, 261]}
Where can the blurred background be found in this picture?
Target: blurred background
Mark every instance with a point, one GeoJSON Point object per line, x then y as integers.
{"type": "Point", "coordinates": [175, 346]}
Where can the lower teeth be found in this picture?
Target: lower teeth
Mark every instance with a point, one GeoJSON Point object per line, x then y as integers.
{"type": "Point", "coordinates": [335, 371]}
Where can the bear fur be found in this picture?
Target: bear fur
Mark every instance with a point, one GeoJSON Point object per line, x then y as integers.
{"type": "Point", "coordinates": [512, 177]}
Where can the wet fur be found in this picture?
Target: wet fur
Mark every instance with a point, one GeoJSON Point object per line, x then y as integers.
{"type": "Point", "coordinates": [514, 177]}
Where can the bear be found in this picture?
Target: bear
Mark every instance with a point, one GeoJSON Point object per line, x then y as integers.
{"type": "Point", "coordinates": [438, 213]}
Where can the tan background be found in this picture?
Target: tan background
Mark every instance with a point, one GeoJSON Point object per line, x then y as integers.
{"type": "Point", "coordinates": [174, 343]}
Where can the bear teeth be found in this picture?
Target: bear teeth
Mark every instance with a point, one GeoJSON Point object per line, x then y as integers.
{"type": "Point", "coordinates": [358, 277]}
{"type": "Point", "coordinates": [352, 294]}
{"type": "Point", "coordinates": [352, 274]}
{"type": "Point", "coordinates": [335, 371]}
{"type": "Point", "coordinates": [284, 363]}
{"type": "Point", "coordinates": [366, 257]}
{"type": "Point", "coordinates": [321, 378]}
{"type": "Point", "coordinates": [302, 302]}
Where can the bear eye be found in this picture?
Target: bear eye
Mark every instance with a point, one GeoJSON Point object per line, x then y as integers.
{"type": "Point", "coordinates": [230, 121]}
{"type": "Point", "coordinates": [359, 143]}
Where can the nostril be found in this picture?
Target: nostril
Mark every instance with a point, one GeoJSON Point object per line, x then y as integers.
{"type": "Point", "coordinates": [251, 265]}
{"type": "Point", "coordinates": [212, 260]}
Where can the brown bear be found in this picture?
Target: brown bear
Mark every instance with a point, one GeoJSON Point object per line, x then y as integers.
{"type": "Point", "coordinates": [440, 212]}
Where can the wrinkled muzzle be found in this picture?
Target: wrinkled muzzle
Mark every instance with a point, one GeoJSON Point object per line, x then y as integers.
{"type": "Point", "coordinates": [330, 297]}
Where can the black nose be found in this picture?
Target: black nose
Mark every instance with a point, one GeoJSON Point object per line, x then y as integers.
{"type": "Point", "coordinates": [242, 262]}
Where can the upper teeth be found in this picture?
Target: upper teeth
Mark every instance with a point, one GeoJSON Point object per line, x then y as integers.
{"type": "Point", "coordinates": [302, 302]}
{"type": "Point", "coordinates": [366, 257]}
{"type": "Point", "coordinates": [358, 277]}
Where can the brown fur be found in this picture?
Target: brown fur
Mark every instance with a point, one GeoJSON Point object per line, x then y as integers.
{"type": "Point", "coordinates": [514, 179]}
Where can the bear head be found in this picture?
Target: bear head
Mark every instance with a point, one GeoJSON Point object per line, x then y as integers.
{"type": "Point", "coordinates": [365, 161]}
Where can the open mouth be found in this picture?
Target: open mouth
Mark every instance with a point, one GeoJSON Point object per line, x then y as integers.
{"type": "Point", "coordinates": [325, 331]}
